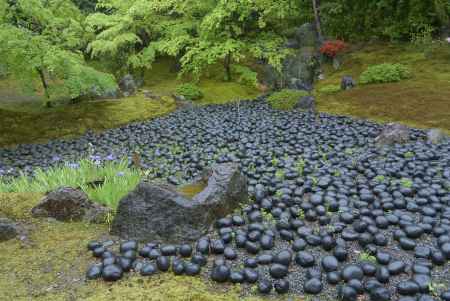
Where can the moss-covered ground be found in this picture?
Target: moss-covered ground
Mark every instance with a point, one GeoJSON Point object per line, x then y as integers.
{"type": "Point", "coordinates": [23, 119]}
{"type": "Point", "coordinates": [422, 101]}
{"type": "Point", "coordinates": [50, 264]}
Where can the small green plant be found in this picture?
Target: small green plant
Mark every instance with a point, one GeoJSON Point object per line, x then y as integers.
{"type": "Point", "coordinates": [330, 89]}
{"type": "Point", "coordinates": [267, 217]}
{"type": "Point", "coordinates": [285, 99]}
{"type": "Point", "coordinates": [434, 288]}
{"type": "Point", "coordinates": [190, 91]}
{"type": "Point", "coordinates": [380, 178]}
{"type": "Point", "coordinates": [274, 161]}
{"type": "Point", "coordinates": [278, 194]}
{"type": "Point", "coordinates": [408, 155]}
{"type": "Point", "coordinates": [109, 219]}
{"type": "Point", "coordinates": [279, 174]}
{"type": "Point", "coordinates": [300, 166]}
{"type": "Point", "coordinates": [337, 173]}
{"type": "Point", "coordinates": [405, 182]}
{"type": "Point", "coordinates": [301, 214]}
{"type": "Point", "coordinates": [364, 256]}
{"type": "Point", "coordinates": [384, 73]}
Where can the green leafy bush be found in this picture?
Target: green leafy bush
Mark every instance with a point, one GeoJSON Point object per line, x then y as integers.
{"type": "Point", "coordinates": [190, 91]}
{"type": "Point", "coordinates": [285, 99]}
{"type": "Point", "coordinates": [245, 75]}
{"type": "Point", "coordinates": [330, 89]}
{"type": "Point", "coordinates": [384, 73]}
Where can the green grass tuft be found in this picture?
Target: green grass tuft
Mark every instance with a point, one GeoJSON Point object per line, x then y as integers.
{"type": "Point", "coordinates": [117, 180]}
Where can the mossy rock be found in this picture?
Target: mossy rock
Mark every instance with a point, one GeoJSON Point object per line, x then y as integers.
{"type": "Point", "coordinates": [286, 99]}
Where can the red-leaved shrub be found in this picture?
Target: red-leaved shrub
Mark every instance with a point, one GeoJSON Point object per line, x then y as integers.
{"type": "Point", "coordinates": [333, 48]}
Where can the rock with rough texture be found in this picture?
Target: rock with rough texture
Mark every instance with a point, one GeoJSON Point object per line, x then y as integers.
{"type": "Point", "coordinates": [96, 93]}
{"type": "Point", "coordinates": [299, 69]}
{"type": "Point", "coordinates": [347, 83]}
{"type": "Point", "coordinates": [155, 212]}
{"type": "Point", "coordinates": [70, 204]}
{"type": "Point", "coordinates": [128, 85]}
{"type": "Point", "coordinates": [436, 136]}
{"type": "Point", "coordinates": [150, 95]}
{"type": "Point", "coordinates": [8, 229]}
{"type": "Point", "coordinates": [393, 133]}
{"type": "Point", "coordinates": [307, 103]}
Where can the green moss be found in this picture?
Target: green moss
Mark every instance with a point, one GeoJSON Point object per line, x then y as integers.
{"type": "Point", "coordinates": [421, 101]}
{"type": "Point", "coordinates": [285, 99]}
{"type": "Point", "coordinates": [330, 89]}
{"type": "Point", "coordinates": [51, 263]}
{"type": "Point", "coordinates": [164, 80]}
{"type": "Point", "coordinates": [17, 206]}
{"type": "Point", "coordinates": [42, 124]}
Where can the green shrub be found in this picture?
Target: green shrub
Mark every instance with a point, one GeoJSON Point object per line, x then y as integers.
{"type": "Point", "coordinates": [190, 91]}
{"type": "Point", "coordinates": [245, 75]}
{"type": "Point", "coordinates": [330, 89]}
{"type": "Point", "coordinates": [384, 73]}
{"type": "Point", "coordinates": [285, 99]}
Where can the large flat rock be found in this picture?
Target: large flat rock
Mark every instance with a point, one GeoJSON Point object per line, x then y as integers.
{"type": "Point", "coordinates": [155, 212]}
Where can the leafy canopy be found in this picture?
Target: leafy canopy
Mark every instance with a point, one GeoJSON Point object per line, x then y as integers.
{"type": "Point", "coordinates": [44, 39]}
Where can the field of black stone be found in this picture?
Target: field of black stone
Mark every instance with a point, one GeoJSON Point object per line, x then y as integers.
{"type": "Point", "coordinates": [331, 213]}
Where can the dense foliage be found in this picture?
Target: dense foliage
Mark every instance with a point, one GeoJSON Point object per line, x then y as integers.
{"type": "Point", "coordinates": [384, 73]}
{"type": "Point", "coordinates": [388, 19]}
{"type": "Point", "coordinates": [56, 41]}
{"type": "Point", "coordinates": [45, 40]}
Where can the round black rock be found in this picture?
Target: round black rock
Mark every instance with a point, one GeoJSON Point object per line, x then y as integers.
{"type": "Point", "coordinates": [112, 272]}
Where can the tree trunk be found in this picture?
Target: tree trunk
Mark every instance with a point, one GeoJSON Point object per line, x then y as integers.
{"type": "Point", "coordinates": [316, 8]}
{"type": "Point", "coordinates": [45, 85]}
{"type": "Point", "coordinates": [227, 65]}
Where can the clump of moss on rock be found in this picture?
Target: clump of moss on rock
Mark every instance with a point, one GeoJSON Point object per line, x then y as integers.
{"type": "Point", "coordinates": [285, 99]}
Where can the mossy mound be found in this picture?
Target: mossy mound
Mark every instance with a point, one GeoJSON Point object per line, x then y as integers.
{"type": "Point", "coordinates": [420, 101]}
{"type": "Point", "coordinates": [51, 264]}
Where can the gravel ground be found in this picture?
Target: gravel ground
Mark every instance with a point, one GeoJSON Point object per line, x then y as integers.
{"type": "Point", "coordinates": [327, 165]}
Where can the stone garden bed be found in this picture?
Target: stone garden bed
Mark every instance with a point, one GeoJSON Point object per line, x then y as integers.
{"type": "Point", "coordinates": [334, 211]}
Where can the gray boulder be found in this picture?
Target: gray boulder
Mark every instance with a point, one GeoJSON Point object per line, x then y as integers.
{"type": "Point", "coordinates": [300, 69]}
{"type": "Point", "coordinates": [128, 85]}
{"type": "Point", "coordinates": [347, 83]}
{"type": "Point", "coordinates": [8, 229]}
{"type": "Point", "coordinates": [150, 95]}
{"type": "Point", "coordinates": [70, 204]}
{"type": "Point", "coordinates": [436, 136]}
{"type": "Point", "coordinates": [307, 103]}
{"type": "Point", "coordinates": [393, 133]}
{"type": "Point", "coordinates": [157, 212]}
